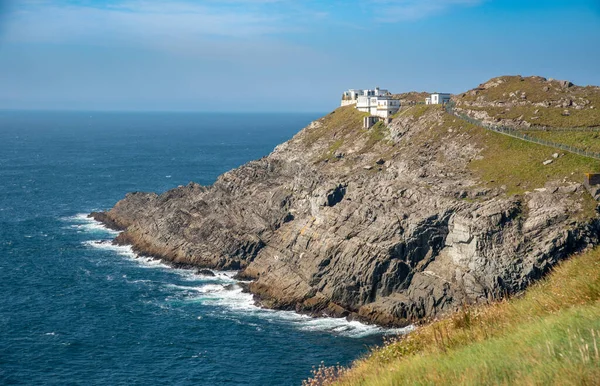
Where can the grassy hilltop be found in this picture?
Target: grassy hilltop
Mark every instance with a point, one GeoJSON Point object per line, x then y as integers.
{"type": "Point", "coordinates": [551, 333]}
{"type": "Point", "coordinates": [506, 163]}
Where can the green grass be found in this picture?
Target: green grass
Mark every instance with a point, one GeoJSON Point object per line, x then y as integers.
{"type": "Point", "coordinates": [518, 165]}
{"type": "Point", "coordinates": [545, 116]}
{"type": "Point", "coordinates": [375, 134]}
{"type": "Point", "coordinates": [412, 97]}
{"type": "Point", "coordinates": [536, 91]}
{"type": "Point", "coordinates": [416, 111]}
{"type": "Point", "coordinates": [343, 130]}
{"type": "Point", "coordinates": [330, 154]}
{"type": "Point", "coordinates": [342, 122]}
{"type": "Point", "coordinates": [513, 163]}
{"type": "Point", "coordinates": [547, 336]}
{"type": "Point", "coordinates": [584, 140]}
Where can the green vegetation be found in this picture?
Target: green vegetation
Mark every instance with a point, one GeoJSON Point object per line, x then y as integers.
{"type": "Point", "coordinates": [375, 134]}
{"type": "Point", "coordinates": [344, 128]}
{"type": "Point", "coordinates": [550, 335]}
{"type": "Point", "coordinates": [499, 161]}
{"type": "Point", "coordinates": [330, 155]}
{"type": "Point", "coordinates": [584, 140]}
{"type": "Point", "coordinates": [420, 110]}
{"type": "Point", "coordinates": [546, 100]}
{"type": "Point", "coordinates": [547, 117]}
{"type": "Point", "coordinates": [412, 97]}
{"type": "Point", "coordinates": [342, 122]}
{"type": "Point", "coordinates": [416, 111]}
{"type": "Point", "coordinates": [513, 163]}
{"type": "Point", "coordinates": [518, 164]}
{"type": "Point", "coordinates": [536, 90]}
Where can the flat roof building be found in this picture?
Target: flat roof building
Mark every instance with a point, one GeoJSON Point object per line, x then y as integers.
{"type": "Point", "coordinates": [437, 98]}
{"type": "Point", "coordinates": [377, 102]}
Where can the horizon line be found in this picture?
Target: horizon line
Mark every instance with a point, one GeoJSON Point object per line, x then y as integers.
{"type": "Point", "coordinates": [40, 110]}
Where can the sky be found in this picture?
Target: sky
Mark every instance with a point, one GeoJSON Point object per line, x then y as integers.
{"type": "Point", "coordinates": [279, 55]}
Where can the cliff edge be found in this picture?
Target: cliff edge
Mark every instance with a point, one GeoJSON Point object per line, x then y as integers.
{"type": "Point", "coordinates": [389, 225]}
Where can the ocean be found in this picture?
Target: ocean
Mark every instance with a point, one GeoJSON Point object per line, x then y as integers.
{"type": "Point", "coordinates": [75, 309]}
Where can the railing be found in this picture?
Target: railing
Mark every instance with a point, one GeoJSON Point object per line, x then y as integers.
{"type": "Point", "coordinates": [451, 109]}
{"type": "Point", "coordinates": [546, 128]}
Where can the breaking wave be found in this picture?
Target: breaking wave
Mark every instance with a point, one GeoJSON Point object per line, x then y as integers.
{"type": "Point", "coordinates": [221, 291]}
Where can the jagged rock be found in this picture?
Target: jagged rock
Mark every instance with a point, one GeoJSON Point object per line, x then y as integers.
{"type": "Point", "coordinates": [565, 83]}
{"type": "Point", "coordinates": [419, 238]}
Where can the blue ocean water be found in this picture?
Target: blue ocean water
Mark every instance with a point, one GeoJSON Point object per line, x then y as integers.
{"type": "Point", "coordinates": [74, 309]}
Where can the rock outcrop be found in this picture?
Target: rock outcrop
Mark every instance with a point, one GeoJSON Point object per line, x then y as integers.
{"type": "Point", "coordinates": [414, 234]}
{"type": "Point", "coordinates": [530, 102]}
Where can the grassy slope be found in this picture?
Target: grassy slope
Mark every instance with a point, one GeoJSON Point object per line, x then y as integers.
{"type": "Point", "coordinates": [544, 337]}
{"type": "Point", "coordinates": [534, 89]}
{"type": "Point", "coordinates": [510, 163]}
{"type": "Point", "coordinates": [584, 140]}
{"type": "Point", "coordinates": [548, 336]}
{"type": "Point", "coordinates": [506, 161]}
{"type": "Point", "coordinates": [341, 130]}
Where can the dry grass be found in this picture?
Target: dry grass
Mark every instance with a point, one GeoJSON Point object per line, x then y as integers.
{"type": "Point", "coordinates": [538, 92]}
{"type": "Point", "coordinates": [343, 122]}
{"type": "Point", "coordinates": [547, 336]}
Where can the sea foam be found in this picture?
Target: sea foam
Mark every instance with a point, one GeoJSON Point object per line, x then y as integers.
{"type": "Point", "coordinates": [224, 292]}
{"type": "Point", "coordinates": [86, 224]}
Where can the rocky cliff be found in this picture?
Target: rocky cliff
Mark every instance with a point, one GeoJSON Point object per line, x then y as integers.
{"type": "Point", "coordinates": [389, 225]}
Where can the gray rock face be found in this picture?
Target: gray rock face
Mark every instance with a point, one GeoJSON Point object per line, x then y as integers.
{"type": "Point", "coordinates": [411, 237]}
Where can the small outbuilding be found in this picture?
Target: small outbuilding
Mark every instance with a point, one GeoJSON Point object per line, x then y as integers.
{"type": "Point", "coordinates": [437, 98]}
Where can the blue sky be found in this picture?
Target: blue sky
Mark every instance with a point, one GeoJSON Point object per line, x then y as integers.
{"type": "Point", "coordinates": [279, 55]}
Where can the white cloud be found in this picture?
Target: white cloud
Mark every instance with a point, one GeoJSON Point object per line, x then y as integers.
{"type": "Point", "coordinates": [138, 21]}
{"type": "Point", "coordinates": [408, 10]}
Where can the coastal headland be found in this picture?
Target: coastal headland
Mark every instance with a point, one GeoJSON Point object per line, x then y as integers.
{"type": "Point", "coordinates": [394, 224]}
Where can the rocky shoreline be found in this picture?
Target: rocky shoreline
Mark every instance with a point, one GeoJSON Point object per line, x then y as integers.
{"type": "Point", "coordinates": [388, 226]}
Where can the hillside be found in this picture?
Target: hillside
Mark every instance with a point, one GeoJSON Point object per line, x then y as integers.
{"type": "Point", "coordinates": [549, 336]}
{"type": "Point", "coordinates": [389, 225]}
{"type": "Point", "coordinates": [529, 102]}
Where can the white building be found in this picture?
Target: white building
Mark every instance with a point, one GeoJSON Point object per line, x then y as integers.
{"type": "Point", "coordinates": [377, 102]}
{"type": "Point", "coordinates": [437, 99]}
{"type": "Point", "coordinates": [350, 97]}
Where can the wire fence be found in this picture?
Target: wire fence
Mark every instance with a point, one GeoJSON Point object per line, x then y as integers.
{"type": "Point", "coordinates": [595, 129]}
{"type": "Point", "coordinates": [506, 130]}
